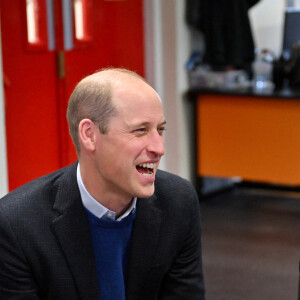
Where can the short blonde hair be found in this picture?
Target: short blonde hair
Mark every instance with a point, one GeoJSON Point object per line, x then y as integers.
{"type": "Point", "coordinates": [91, 99]}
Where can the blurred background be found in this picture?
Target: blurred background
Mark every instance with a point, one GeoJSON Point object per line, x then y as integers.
{"type": "Point", "coordinates": [228, 72]}
{"type": "Point", "coordinates": [48, 45]}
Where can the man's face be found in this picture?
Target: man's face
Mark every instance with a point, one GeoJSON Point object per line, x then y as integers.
{"type": "Point", "coordinates": [127, 157]}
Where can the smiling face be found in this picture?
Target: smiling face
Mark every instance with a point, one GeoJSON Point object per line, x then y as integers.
{"type": "Point", "coordinates": [128, 155]}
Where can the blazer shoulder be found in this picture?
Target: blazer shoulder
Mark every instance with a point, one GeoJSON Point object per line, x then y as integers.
{"type": "Point", "coordinates": [168, 182]}
{"type": "Point", "coordinates": [176, 192]}
{"type": "Point", "coordinates": [37, 189]}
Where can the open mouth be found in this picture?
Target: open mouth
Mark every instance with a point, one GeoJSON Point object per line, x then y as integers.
{"type": "Point", "coordinates": [146, 170]}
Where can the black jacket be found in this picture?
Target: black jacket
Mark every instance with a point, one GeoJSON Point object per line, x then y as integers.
{"type": "Point", "coordinates": [46, 249]}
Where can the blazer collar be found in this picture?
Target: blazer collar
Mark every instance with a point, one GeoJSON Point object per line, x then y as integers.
{"type": "Point", "coordinates": [72, 231]}
{"type": "Point", "coordinates": [145, 237]}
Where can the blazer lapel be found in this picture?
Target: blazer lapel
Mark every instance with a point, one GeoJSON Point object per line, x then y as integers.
{"type": "Point", "coordinates": [72, 232]}
{"type": "Point", "coordinates": [145, 238]}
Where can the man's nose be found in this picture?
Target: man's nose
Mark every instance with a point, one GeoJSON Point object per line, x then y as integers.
{"type": "Point", "coordinates": [156, 145]}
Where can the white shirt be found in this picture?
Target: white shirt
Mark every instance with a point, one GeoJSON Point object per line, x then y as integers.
{"type": "Point", "coordinates": [95, 207]}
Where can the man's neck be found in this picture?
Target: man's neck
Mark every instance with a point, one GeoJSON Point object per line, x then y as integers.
{"type": "Point", "coordinates": [109, 198]}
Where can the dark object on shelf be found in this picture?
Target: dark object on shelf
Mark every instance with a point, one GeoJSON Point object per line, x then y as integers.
{"type": "Point", "coordinates": [292, 68]}
{"type": "Point", "coordinates": [286, 70]}
{"type": "Point", "coordinates": [291, 33]}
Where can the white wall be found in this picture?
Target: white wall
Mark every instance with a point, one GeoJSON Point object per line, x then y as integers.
{"type": "Point", "coordinates": [167, 49]}
{"type": "Point", "coordinates": [267, 18]}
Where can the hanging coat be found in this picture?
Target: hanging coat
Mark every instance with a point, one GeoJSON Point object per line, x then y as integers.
{"type": "Point", "coordinates": [226, 28]}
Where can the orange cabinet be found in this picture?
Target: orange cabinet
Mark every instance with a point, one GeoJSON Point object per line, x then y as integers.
{"type": "Point", "coordinates": [256, 138]}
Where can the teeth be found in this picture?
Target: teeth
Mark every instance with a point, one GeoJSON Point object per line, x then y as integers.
{"type": "Point", "coordinates": [147, 175]}
{"type": "Point", "coordinates": [148, 166]}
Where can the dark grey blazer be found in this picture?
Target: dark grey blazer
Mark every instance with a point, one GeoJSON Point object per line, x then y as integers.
{"type": "Point", "coordinates": [46, 250]}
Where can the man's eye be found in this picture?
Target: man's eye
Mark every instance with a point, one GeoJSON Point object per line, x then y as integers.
{"type": "Point", "coordinates": [139, 130]}
{"type": "Point", "coordinates": [161, 129]}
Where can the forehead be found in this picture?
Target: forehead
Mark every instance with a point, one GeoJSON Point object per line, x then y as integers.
{"type": "Point", "coordinates": [136, 98]}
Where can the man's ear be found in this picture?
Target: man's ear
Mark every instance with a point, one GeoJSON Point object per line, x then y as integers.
{"type": "Point", "coordinates": [87, 131]}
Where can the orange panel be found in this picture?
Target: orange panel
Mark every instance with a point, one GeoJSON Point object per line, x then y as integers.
{"type": "Point", "coordinates": [255, 138]}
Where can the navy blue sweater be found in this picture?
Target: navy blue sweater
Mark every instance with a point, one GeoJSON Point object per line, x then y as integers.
{"type": "Point", "coordinates": [111, 241]}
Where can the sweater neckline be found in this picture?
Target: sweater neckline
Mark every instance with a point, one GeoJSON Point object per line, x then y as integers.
{"type": "Point", "coordinates": [109, 223]}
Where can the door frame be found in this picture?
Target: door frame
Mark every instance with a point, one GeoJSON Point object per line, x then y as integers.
{"type": "Point", "coordinates": [3, 157]}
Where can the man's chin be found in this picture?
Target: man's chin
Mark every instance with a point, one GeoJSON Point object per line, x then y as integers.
{"type": "Point", "coordinates": [146, 192]}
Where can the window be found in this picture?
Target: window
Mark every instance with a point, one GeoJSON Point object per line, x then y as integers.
{"type": "Point", "coordinates": [32, 21]}
{"type": "Point", "coordinates": [82, 20]}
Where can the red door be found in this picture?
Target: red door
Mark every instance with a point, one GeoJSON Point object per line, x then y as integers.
{"type": "Point", "coordinates": [48, 46]}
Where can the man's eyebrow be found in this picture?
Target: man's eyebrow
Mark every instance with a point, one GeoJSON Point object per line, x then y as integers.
{"type": "Point", "coordinates": [147, 123]}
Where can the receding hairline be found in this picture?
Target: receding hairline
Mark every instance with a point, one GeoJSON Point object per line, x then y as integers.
{"type": "Point", "coordinates": [113, 76]}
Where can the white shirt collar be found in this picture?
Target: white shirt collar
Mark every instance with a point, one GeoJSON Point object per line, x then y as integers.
{"type": "Point", "coordinates": [95, 207]}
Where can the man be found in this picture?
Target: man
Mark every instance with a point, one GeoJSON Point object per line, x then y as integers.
{"type": "Point", "coordinates": [111, 226]}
